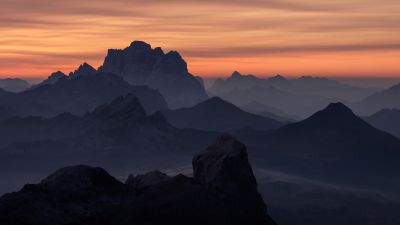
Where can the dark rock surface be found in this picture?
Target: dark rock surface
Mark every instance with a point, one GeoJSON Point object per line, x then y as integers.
{"type": "Point", "coordinates": [223, 191]}
{"type": "Point", "coordinates": [140, 64]}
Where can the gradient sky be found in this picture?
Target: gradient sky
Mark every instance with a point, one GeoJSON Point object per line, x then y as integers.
{"type": "Point", "coordinates": [265, 37]}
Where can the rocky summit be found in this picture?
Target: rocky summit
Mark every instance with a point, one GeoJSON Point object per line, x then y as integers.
{"type": "Point", "coordinates": [222, 191]}
{"type": "Point", "coordinates": [140, 64]}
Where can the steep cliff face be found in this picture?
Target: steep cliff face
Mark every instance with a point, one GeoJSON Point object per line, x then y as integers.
{"type": "Point", "coordinates": [223, 191]}
{"type": "Point", "coordinates": [140, 64]}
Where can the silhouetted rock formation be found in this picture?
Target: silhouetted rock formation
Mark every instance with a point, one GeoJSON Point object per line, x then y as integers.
{"type": "Point", "coordinates": [387, 120]}
{"type": "Point", "coordinates": [223, 191]}
{"type": "Point", "coordinates": [83, 70]}
{"type": "Point", "coordinates": [52, 79]}
{"type": "Point", "coordinates": [79, 95]}
{"type": "Point", "coordinates": [216, 114]}
{"type": "Point", "coordinates": [139, 64]}
{"type": "Point", "coordinates": [14, 84]}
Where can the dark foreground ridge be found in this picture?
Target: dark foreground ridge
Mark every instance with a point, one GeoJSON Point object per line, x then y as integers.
{"type": "Point", "coordinates": [222, 191]}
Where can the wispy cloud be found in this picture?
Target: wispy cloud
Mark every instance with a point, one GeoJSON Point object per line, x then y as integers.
{"type": "Point", "coordinates": [66, 33]}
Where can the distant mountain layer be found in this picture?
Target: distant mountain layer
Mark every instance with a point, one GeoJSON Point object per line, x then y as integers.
{"type": "Point", "coordinates": [216, 114]}
{"type": "Point", "coordinates": [306, 85]}
{"type": "Point", "coordinates": [78, 96]}
{"type": "Point", "coordinates": [139, 64]}
{"type": "Point", "coordinates": [222, 191]}
{"type": "Point", "coordinates": [387, 120]}
{"type": "Point", "coordinates": [111, 134]}
{"type": "Point", "coordinates": [385, 99]}
{"type": "Point", "coordinates": [14, 84]}
{"type": "Point", "coordinates": [298, 105]}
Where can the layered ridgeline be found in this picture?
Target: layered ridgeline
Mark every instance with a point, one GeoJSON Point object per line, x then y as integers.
{"type": "Point", "coordinates": [387, 120]}
{"type": "Point", "coordinates": [298, 97]}
{"type": "Point", "coordinates": [111, 135]}
{"type": "Point", "coordinates": [223, 190]}
{"type": "Point", "coordinates": [216, 114]}
{"type": "Point", "coordinates": [386, 99]}
{"type": "Point", "coordinates": [60, 93]}
{"type": "Point", "coordinates": [140, 64]}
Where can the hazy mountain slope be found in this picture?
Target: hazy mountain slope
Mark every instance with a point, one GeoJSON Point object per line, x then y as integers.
{"type": "Point", "coordinates": [305, 85]}
{"type": "Point", "coordinates": [216, 114]}
{"type": "Point", "coordinates": [139, 64]}
{"type": "Point", "coordinates": [297, 105]}
{"type": "Point", "coordinates": [388, 98]}
{"type": "Point", "coordinates": [78, 96]}
{"type": "Point", "coordinates": [14, 84]}
{"type": "Point", "coordinates": [387, 120]}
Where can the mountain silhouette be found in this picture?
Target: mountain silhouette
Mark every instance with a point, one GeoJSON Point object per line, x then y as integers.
{"type": "Point", "coordinates": [305, 85]}
{"type": "Point", "coordinates": [216, 114]}
{"type": "Point", "coordinates": [52, 79]}
{"type": "Point", "coordinates": [83, 70]}
{"type": "Point", "coordinates": [222, 191]}
{"type": "Point", "coordinates": [78, 96]}
{"type": "Point", "coordinates": [140, 64]}
{"type": "Point", "coordinates": [387, 120]}
{"type": "Point", "coordinates": [337, 144]}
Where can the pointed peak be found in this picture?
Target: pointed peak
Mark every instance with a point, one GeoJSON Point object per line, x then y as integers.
{"type": "Point", "coordinates": [335, 113]}
{"type": "Point", "coordinates": [174, 54]}
{"type": "Point", "coordinates": [278, 77]}
{"type": "Point", "coordinates": [338, 107]}
{"type": "Point", "coordinates": [122, 106]}
{"type": "Point", "coordinates": [83, 70]}
{"type": "Point", "coordinates": [236, 74]}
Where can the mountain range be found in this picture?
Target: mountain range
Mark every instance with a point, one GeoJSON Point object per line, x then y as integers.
{"type": "Point", "coordinates": [77, 96]}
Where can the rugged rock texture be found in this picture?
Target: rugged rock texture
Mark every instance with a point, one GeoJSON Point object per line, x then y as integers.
{"type": "Point", "coordinates": [223, 191]}
{"type": "Point", "coordinates": [139, 64]}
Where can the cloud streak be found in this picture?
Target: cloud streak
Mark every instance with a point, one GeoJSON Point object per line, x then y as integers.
{"type": "Point", "coordinates": [65, 33]}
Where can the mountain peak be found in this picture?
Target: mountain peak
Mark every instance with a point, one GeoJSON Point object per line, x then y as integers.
{"type": "Point", "coordinates": [122, 107]}
{"type": "Point", "coordinates": [140, 45]}
{"type": "Point", "coordinates": [236, 74]}
{"type": "Point", "coordinates": [83, 70]}
{"type": "Point", "coordinates": [278, 78]}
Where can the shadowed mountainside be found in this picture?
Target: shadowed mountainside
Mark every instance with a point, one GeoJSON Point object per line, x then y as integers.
{"type": "Point", "coordinates": [216, 114]}
{"type": "Point", "coordinates": [222, 191]}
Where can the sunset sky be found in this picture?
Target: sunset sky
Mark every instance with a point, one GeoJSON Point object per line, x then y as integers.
{"type": "Point", "coordinates": [264, 37]}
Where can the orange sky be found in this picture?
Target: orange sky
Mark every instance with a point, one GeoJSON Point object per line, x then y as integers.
{"type": "Point", "coordinates": [265, 37]}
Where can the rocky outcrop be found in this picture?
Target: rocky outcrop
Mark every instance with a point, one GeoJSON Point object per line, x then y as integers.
{"type": "Point", "coordinates": [83, 70]}
{"type": "Point", "coordinates": [140, 64]}
{"type": "Point", "coordinates": [223, 191]}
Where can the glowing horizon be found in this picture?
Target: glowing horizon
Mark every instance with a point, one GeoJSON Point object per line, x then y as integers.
{"type": "Point", "coordinates": [343, 38]}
